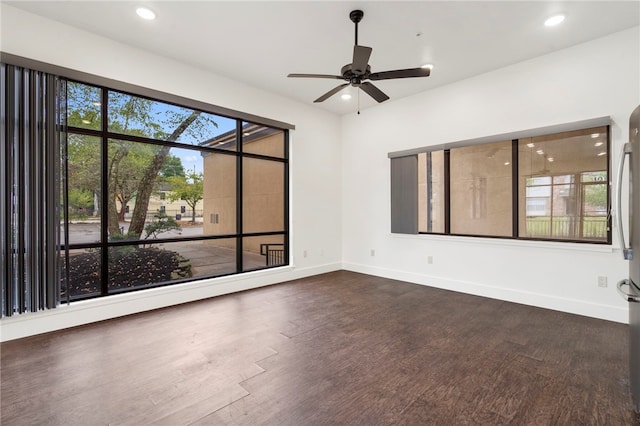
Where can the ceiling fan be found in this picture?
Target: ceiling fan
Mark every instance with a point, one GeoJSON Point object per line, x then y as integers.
{"type": "Point", "coordinates": [358, 71]}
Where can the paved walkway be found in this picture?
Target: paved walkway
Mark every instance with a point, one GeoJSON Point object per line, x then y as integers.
{"type": "Point", "coordinates": [208, 258]}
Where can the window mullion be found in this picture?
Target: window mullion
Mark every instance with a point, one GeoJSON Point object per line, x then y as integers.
{"type": "Point", "coordinates": [104, 187]}
{"type": "Point", "coordinates": [447, 194]}
{"type": "Point", "coordinates": [239, 204]}
{"type": "Point", "coordinates": [515, 189]}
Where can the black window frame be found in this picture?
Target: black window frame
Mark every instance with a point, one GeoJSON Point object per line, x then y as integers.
{"type": "Point", "coordinates": [105, 244]}
{"type": "Point", "coordinates": [515, 213]}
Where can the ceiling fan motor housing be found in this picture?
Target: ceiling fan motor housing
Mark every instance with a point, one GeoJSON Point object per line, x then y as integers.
{"type": "Point", "coordinates": [354, 77]}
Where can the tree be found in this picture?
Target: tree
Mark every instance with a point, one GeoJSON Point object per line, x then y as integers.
{"type": "Point", "coordinates": [79, 201]}
{"type": "Point", "coordinates": [150, 175]}
{"type": "Point", "coordinates": [83, 170]}
{"type": "Point", "coordinates": [595, 194]}
{"type": "Point", "coordinates": [126, 177]}
{"type": "Point", "coordinates": [188, 188]}
{"type": "Point", "coordinates": [161, 223]}
{"type": "Point", "coordinates": [172, 167]}
{"type": "Point", "coordinates": [133, 169]}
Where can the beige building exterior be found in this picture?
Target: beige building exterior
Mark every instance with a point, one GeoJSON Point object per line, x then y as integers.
{"type": "Point", "coordinates": [263, 187]}
{"type": "Point", "coordinates": [160, 200]}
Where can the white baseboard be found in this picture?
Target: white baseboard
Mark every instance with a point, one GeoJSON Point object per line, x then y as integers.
{"type": "Point", "coordinates": [579, 307]}
{"type": "Point", "coordinates": [93, 310]}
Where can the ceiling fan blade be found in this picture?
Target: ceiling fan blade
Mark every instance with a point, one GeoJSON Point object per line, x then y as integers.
{"type": "Point", "coordinates": [373, 91]}
{"type": "Point", "coordinates": [406, 73]}
{"type": "Point", "coordinates": [361, 56]}
{"type": "Point", "coordinates": [331, 93]}
{"type": "Point", "coordinates": [336, 77]}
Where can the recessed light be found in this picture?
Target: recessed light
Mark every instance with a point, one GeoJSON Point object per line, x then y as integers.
{"type": "Point", "coordinates": [85, 121]}
{"type": "Point", "coordinates": [598, 144]}
{"type": "Point", "coordinates": [427, 66]}
{"type": "Point", "coordinates": [145, 13]}
{"type": "Point", "coordinates": [600, 154]}
{"type": "Point", "coordinates": [540, 151]}
{"type": "Point", "coordinates": [554, 20]}
{"type": "Point", "coordinates": [345, 96]}
{"type": "Point", "coordinates": [530, 145]}
{"type": "Point", "coordinates": [595, 135]}
{"type": "Point", "coordinates": [550, 159]}
{"type": "Point", "coordinates": [507, 163]}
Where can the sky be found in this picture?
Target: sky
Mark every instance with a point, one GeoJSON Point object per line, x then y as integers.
{"type": "Point", "coordinates": [192, 160]}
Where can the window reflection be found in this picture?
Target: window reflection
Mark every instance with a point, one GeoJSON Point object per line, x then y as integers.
{"type": "Point", "coordinates": [431, 192]}
{"type": "Point", "coordinates": [563, 179]}
{"type": "Point", "coordinates": [481, 187]}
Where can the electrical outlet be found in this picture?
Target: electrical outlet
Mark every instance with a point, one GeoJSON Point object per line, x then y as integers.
{"type": "Point", "coordinates": [602, 281]}
{"type": "Point", "coordinates": [430, 260]}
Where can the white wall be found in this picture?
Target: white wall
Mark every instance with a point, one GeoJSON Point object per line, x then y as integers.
{"type": "Point", "coordinates": [315, 154]}
{"type": "Point", "coordinates": [340, 171]}
{"type": "Point", "coordinates": [594, 79]}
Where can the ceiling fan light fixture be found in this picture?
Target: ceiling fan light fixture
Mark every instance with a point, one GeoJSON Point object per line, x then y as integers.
{"type": "Point", "coordinates": [427, 66]}
{"type": "Point", "coordinates": [146, 13]}
{"type": "Point", "coordinates": [554, 20]}
{"type": "Point", "coordinates": [345, 96]}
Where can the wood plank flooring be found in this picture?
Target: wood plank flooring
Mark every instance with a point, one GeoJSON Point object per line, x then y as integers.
{"type": "Point", "coordinates": [335, 349]}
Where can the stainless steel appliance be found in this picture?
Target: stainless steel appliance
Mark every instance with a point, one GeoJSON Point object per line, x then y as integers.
{"type": "Point", "coordinates": [630, 287]}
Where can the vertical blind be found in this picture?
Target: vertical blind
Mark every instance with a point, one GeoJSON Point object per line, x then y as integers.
{"type": "Point", "coordinates": [29, 191]}
{"type": "Point", "coordinates": [404, 195]}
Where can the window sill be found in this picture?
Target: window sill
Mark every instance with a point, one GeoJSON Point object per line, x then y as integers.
{"type": "Point", "coordinates": [505, 242]}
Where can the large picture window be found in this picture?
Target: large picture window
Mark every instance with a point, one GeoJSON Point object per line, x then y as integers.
{"type": "Point", "coordinates": [157, 193]}
{"type": "Point", "coordinates": [106, 187]}
{"type": "Point", "coordinates": [547, 187]}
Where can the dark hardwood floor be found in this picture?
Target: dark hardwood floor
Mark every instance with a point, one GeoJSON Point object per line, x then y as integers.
{"type": "Point", "coordinates": [336, 349]}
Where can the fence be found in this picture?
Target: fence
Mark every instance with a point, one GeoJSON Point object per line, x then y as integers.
{"type": "Point", "coordinates": [177, 214]}
{"type": "Point", "coordinates": [274, 253]}
{"type": "Point", "coordinates": [587, 227]}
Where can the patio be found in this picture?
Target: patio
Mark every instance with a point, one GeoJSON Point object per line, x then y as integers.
{"type": "Point", "coordinates": [203, 258]}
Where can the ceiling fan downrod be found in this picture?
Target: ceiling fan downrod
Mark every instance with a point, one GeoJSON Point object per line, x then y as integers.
{"type": "Point", "coordinates": [356, 16]}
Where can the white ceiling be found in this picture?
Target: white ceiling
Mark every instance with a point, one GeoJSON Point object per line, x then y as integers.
{"type": "Point", "coordinates": [259, 43]}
